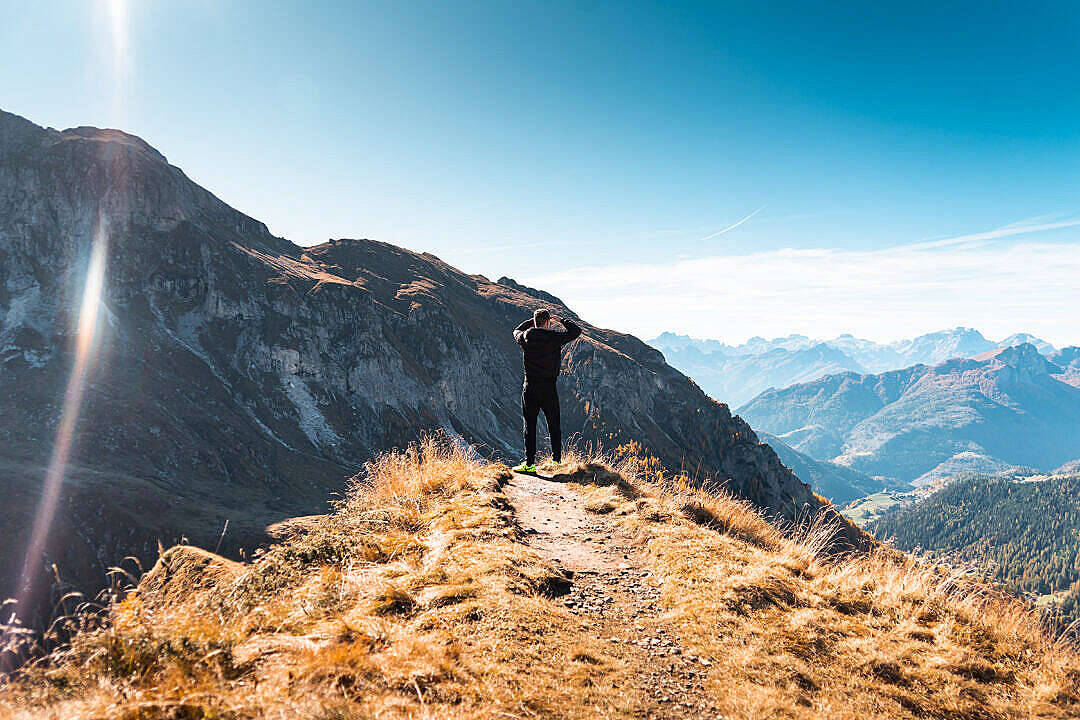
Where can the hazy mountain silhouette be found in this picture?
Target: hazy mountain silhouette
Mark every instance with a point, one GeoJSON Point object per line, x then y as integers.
{"type": "Point", "coordinates": [737, 373]}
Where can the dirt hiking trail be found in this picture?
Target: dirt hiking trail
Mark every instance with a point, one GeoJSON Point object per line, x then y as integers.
{"type": "Point", "coordinates": [611, 592]}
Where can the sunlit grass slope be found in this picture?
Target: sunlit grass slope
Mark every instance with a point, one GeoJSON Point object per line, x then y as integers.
{"type": "Point", "coordinates": [420, 597]}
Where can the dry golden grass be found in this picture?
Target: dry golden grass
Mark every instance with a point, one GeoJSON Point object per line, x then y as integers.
{"type": "Point", "coordinates": [420, 597]}
{"type": "Point", "coordinates": [795, 633]}
{"type": "Point", "coordinates": [416, 598]}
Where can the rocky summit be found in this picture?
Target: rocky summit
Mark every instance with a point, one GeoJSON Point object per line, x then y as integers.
{"type": "Point", "coordinates": [238, 377]}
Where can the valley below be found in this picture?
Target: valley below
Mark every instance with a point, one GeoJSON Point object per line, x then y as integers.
{"type": "Point", "coordinates": [939, 458]}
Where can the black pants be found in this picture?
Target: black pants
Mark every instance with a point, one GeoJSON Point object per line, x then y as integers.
{"type": "Point", "coordinates": [539, 395]}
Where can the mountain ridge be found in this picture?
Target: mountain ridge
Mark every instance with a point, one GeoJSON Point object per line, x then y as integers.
{"type": "Point", "coordinates": [242, 378]}
{"type": "Point", "coordinates": [1009, 405]}
{"type": "Point", "coordinates": [738, 373]}
{"type": "Point", "coordinates": [443, 586]}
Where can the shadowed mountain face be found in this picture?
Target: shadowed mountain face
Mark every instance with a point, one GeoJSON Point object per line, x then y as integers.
{"type": "Point", "coordinates": [837, 483]}
{"type": "Point", "coordinates": [1004, 408]}
{"type": "Point", "coordinates": [1068, 359]}
{"type": "Point", "coordinates": [239, 377]}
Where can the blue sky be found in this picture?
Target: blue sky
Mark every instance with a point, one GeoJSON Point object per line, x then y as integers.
{"type": "Point", "coordinates": [597, 149]}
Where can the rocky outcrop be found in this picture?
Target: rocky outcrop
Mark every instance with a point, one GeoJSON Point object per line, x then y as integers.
{"type": "Point", "coordinates": [240, 377]}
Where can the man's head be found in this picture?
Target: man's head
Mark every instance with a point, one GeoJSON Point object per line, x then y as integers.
{"type": "Point", "coordinates": [541, 318]}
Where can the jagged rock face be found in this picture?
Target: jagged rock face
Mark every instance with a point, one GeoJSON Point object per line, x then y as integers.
{"type": "Point", "coordinates": [1068, 360]}
{"type": "Point", "coordinates": [241, 377]}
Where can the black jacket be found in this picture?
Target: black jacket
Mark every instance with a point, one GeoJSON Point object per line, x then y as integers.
{"type": "Point", "coordinates": [542, 348]}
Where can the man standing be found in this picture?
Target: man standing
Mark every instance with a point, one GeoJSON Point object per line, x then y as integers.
{"type": "Point", "coordinates": [541, 348]}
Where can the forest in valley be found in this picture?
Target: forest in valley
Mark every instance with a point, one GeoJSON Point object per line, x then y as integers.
{"type": "Point", "coordinates": [1021, 532]}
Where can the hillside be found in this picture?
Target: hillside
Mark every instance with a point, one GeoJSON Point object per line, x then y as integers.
{"type": "Point", "coordinates": [839, 484]}
{"type": "Point", "coordinates": [1023, 532]}
{"type": "Point", "coordinates": [1009, 407]}
{"type": "Point", "coordinates": [236, 377]}
{"type": "Point", "coordinates": [1068, 359]}
{"type": "Point", "coordinates": [444, 587]}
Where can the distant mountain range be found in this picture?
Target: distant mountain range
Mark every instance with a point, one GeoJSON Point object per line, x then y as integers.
{"type": "Point", "coordinates": [1008, 407]}
{"type": "Point", "coordinates": [737, 373]}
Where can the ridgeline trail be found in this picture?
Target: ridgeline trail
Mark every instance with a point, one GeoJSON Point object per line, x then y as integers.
{"type": "Point", "coordinates": [612, 593]}
{"type": "Point", "coordinates": [444, 587]}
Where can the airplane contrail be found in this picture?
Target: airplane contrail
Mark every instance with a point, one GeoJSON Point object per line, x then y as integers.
{"type": "Point", "coordinates": [1001, 232]}
{"type": "Point", "coordinates": [732, 227]}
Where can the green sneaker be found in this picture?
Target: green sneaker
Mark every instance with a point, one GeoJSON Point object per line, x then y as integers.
{"type": "Point", "coordinates": [524, 468]}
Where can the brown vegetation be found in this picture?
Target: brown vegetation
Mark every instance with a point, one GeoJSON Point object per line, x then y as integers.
{"type": "Point", "coordinates": [421, 597]}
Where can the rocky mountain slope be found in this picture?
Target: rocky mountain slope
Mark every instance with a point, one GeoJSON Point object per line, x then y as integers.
{"type": "Point", "coordinates": [238, 377]}
{"type": "Point", "coordinates": [837, 483]}
{"type": "Point", "coordinates": [443, 587]}
{"type": "Point", "coordinates": [1004, 408]}
{"type": "Point", "coordinates": [1068, 360]}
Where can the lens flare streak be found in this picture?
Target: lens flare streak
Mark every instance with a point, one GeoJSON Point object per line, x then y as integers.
{"type": "Point", "coordinates": [86, 332]}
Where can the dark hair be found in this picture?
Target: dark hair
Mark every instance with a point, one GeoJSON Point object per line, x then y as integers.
{"type": "Point", "coordinates": [541, 317]}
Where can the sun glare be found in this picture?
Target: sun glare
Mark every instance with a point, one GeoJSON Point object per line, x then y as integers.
{"type": "Point", "coordinates": [85, 335]}
{"type": "Point", "coordinates": [115, 16]}
{"type": "Point", "coordinates": [118, 14]}
{"type": "Point", "coordinates": [91, 301]}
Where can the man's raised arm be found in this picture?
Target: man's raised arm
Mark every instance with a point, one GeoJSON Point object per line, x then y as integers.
{"type": "Point", "coordinates": [571, 332]}
{"type": "Point", "coordinates": [519, 331]}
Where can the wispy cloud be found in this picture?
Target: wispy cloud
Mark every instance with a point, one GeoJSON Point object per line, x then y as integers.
{"type": "Point", "coordinates": [1000, 287]}
{"type": "Point", "coordinates": [1021, 228]}
{"type": "Point", "coordinates": [729, 228]}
